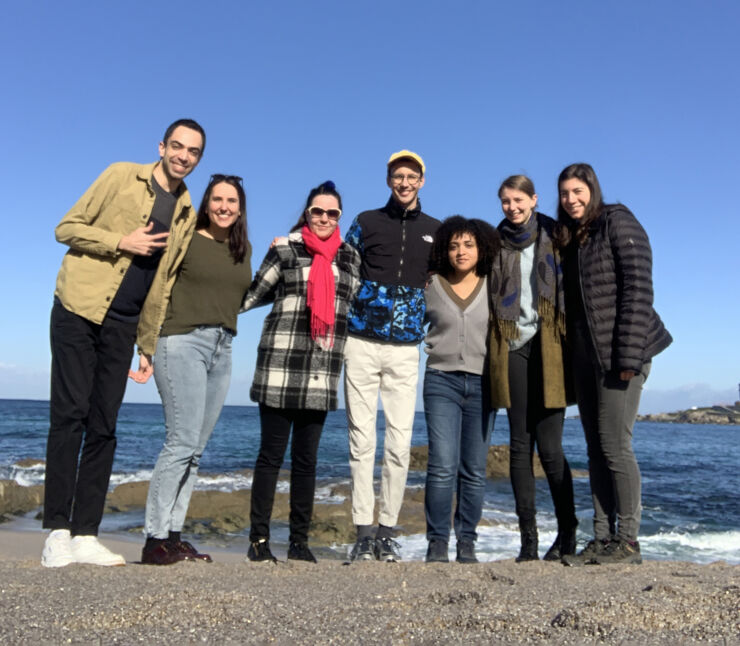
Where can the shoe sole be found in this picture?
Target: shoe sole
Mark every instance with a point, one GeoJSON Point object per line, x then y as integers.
{"type": "Point", "coordinates": [47, 563]}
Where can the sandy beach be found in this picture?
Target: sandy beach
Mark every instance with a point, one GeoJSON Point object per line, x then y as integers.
{"type": "Point", "coordinates": [370, 603]}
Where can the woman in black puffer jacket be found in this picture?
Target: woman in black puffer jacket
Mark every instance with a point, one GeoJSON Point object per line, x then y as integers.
{"type": "Point", "coordinates": [613, 333]}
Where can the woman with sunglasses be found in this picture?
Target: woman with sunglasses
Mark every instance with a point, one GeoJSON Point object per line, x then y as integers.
{"type": "Point", "coordinates": [613, 333]}
{"type": "Point", "coordinates": [310, 278]}
{"type": "Point", "coordinates": [527, 375]}
{"type": "Point", "coordinates": [192, 363]}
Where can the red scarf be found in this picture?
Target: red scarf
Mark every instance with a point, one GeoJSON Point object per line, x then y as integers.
{"type": "Point", "coordinates": [320, 295]}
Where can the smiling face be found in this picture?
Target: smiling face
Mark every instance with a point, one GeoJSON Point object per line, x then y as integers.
{"type": "Point", "coordinates": [321, 224]}
{"type": "Point", "coordinates": [517, 205]}
{"type": "Point", "coordinates": [223, 210]}
{"type": "Point", "coordinates": [180, 154]}
{"type": "Point", "coordinates": [575, 196]}
{"type": "Point", "coordinates": [405, 179]}
{"type": "Point", "coordinates": [462, 252]}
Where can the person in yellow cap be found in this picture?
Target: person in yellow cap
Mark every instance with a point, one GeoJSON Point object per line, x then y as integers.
{"type": "Point", "coordinates": [382, 351]}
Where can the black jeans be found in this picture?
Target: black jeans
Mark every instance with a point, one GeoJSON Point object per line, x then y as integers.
{"type": "Point", "coordinates": [529, 423]}
{"type": "Point", "coordinates": [89, 367]}
{"type": "Point", "coordinates": [275, 430]}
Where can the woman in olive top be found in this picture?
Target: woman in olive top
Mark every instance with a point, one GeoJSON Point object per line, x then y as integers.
{"type": "Point", "coordinates": [527, 373]}
{"type": "Point", "coordinates": [192, 364]}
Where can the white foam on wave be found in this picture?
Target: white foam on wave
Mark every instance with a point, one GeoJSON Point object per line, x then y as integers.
{"type": "Point", "coordinates": [123, 478]}
{"type": "Point", "coordinates": [700, 547]}
{"type": "Point", "coordinates": [226, 482]}
{"type": "Point", "coordinates": [24, 476]}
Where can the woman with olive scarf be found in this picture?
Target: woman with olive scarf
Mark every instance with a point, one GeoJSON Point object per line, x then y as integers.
{"type": "Point", "coordinates": [526, 354]}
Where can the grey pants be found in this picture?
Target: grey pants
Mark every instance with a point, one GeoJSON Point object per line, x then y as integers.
{"type": "Point", "coordinates": [608, 409]}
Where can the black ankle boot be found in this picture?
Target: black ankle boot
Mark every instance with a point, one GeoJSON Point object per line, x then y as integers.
{"type": "Point", "coordinates": [565, 544]}
{"type": "Point", "coordinates": [529, 544]}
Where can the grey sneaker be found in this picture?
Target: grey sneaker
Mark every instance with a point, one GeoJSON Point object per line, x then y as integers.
{"type": "Point", "coordinates": [620, 551]}
{"type": "Point", "coordinates": [386, 549]}
{"type": "Point", "coordinates": [588, 555]}
{"type": "Point", "coordinates": [466, 551]}
{"type": "Point", "coordinates": [437, 551]}
{"type": "Point", "coordinates": [363, 549]}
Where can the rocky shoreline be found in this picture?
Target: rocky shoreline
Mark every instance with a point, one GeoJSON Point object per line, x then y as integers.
{"type": "Point", "coordinates": [708, 415]}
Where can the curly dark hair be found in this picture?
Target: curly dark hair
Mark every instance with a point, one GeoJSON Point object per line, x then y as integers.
{"type": "Point", "coordinates": [486, 239]}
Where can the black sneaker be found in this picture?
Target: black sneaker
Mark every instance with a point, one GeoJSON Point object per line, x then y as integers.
{"type": "Point", "coordinates": [588, 555]}
{"type": "Point", "coordinates": [386, 549]}
{"type": "Point", "coordinates": [363, 550]}
{"type": "Point", "coordinates": [466, 552]}
{"type": "Point", "coordinates": [259, 550]}
{"type": "Point", "coordinates": [300, 552]}
{"type": "Point", "coordinates": [437, 551]}
{"type": "Point", "coordinates": [620, 551]}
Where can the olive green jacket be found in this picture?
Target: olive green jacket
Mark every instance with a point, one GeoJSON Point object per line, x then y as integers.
{"type": "Point", "coordinates": [116, 204]}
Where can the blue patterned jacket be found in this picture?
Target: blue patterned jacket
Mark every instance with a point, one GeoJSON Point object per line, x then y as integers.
{"type": "Point", "coordinates": [394, 245]}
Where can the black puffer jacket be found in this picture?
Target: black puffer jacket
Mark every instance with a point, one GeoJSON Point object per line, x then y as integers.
{"type": "Point", "coordinates": [616, 279]}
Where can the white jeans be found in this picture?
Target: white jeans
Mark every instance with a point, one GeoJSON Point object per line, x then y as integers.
{"type": "Point", "coordinates": [393, 369]}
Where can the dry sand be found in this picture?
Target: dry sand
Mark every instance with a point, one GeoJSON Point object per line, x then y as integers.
{"type": "Point", "coordinates": [369, 603]}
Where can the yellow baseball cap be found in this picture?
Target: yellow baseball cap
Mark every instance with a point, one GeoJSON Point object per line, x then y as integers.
{"type": "Point", "coordinates": [407, 154]}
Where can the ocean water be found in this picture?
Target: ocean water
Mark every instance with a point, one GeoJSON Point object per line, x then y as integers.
{"type": "Point", "coordinates": [690, 476]}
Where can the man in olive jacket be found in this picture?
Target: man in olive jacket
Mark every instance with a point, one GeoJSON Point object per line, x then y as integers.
{"type": "Point", "coordinates": [125, 234]}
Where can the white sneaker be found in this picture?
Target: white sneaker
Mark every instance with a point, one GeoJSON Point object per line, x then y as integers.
{"type": "Point", "coordinates": [87, 549]}
{"type": "Point", "coordinates": [57, 549]}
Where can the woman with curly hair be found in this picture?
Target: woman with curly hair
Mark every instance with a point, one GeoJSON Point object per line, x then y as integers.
{"type": "Point", "coordinates": [456, 402]}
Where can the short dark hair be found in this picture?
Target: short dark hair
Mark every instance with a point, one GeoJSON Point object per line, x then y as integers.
{"type": "Point", "coordinates": [186, 123]}
{"type": "Point", "coordinates": [486, 238]}
{"type": "Point", "coordinates": [238, 233]}
{"type": "Point", "coordinates": [325, 188]}
{"type": "Point", "coordinates": [566, 226]}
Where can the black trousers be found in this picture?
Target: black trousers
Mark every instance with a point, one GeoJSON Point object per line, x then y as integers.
{"type": "Point", "coordinates": [531, 423]}
{"type": "Point", "coordinates": [275, 431]}
{"type": "Point", "coordinates": [89, 367]}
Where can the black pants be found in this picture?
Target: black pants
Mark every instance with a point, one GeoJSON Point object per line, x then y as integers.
{"type": "Point", "coordinates": [530, 422]}
{"type": "Point", "coordinates": [89, 367]}
{"type": "Point", "coordinates": [275, 430]}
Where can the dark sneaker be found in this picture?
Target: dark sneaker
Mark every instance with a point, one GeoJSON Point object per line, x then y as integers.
{"type": "Point", "coordinates": [191, 554]}
{"type": "Point", "coordinates": [300, 552]}
{"type": "Point", "coordinates": [466, 552]}
{"type": "Point", "coordinates": [386, 549]}
{"type": "Point", "coordinates": [363, 550]}
{"type": "Point", "coordinates": [259, 550]}
{"type": "Point", "coordinates": [588, 555]}
{"type": "Point", "coordinates": [620, 551]}
{"type": "Point", "coordinates": [161, 553]}
{"type": "Point", "coordinates": [437, 551]}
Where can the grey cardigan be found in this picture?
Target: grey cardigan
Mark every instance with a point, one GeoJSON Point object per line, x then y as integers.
{"type": "Point", "coordinates": [458, 330]}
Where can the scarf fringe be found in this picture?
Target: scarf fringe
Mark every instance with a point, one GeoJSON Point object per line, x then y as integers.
{"type": "Point", "coordinates": [550, 317]}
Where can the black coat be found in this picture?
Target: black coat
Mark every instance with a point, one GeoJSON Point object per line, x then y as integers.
{"type": "Point", "coordinates": [616, 279]}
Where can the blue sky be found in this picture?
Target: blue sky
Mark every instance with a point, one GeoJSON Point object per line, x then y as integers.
{"type": "Point", "coordinates": [293, 93]}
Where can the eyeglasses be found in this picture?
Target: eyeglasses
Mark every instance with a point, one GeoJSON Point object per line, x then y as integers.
{"type": "Point", "coordinates": [316, 212]}
{"type": "Point", "coordinates": [412, 178]}
{"type": "Point", "coordinates": [218, 177]}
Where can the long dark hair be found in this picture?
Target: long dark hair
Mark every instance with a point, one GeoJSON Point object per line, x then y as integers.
{"type": "Point", "coordinates": [238, 231]}
{"type": "Point", "coordinates": [486, 239]}
{"type": "Point", "coordinates": [566, 226]}
{"type": "Point", "coordinates": [326, 188]}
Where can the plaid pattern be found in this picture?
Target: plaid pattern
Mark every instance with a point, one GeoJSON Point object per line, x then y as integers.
{"type": "Point", "coordinates": [294, 371]}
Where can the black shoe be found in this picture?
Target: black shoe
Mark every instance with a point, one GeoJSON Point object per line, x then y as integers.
{"type": "Point", "coordinates": [466, 551]}
{"type": "Point", "coordinates": [300, 552]}
{"type": "Point", "coordinates": [588, 555]}
{"type": "Point", "coordinates": [620, 550]}
{"type": "Point", "coordinates": [437, 551]}
{"type": "Point", "coordinates": [565, 544]}
{"type": "Point", "coordinates": [363, 550]}
{"type": "Point", "coordinates": [386, 549]}
{"type": "Point", "coordinates": [259, 550]}
{"type": "Point", "coordinates": [529, 545]}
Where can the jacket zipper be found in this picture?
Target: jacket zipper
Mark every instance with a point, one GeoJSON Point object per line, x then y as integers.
{"type": "Point", "coordinates": [586, 312]}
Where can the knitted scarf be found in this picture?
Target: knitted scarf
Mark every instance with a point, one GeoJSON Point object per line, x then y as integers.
{"type": "Point", "coordinates": [320, 294]}
{"type": "Point", "coordinates": [506, 277]}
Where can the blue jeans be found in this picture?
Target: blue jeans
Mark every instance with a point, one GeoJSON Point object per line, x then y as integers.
{"type": "Point", "coordinates": [459, 423]}
{"type": "Point", "coordinates": [192, 372]}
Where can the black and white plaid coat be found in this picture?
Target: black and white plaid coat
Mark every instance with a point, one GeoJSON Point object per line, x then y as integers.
{"type": "Point", "coordinates": [294, 371]}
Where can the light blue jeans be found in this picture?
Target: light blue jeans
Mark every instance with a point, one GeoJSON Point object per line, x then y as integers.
{"type": "Point", "coordinates": [192, 372]}
{"type": "Point", "coordinates": [459, 422]}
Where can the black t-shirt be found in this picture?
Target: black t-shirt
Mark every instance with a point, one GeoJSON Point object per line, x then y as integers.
{"type": "Point", "coordinates": [129, 299]}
